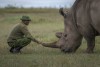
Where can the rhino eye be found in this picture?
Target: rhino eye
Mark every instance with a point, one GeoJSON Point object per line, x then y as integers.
{"type": "Point", "coordinates": [65, 35]}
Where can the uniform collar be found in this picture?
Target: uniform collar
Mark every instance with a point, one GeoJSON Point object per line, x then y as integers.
{"type": "Point", "coordinates": [23, 24]}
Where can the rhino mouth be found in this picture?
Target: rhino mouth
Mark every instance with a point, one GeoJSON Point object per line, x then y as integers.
{"type": "Point", "coordinates": [67, 50]}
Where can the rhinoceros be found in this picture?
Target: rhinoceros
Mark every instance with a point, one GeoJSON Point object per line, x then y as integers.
{"type": "Point", "coordinates": [82, 20]}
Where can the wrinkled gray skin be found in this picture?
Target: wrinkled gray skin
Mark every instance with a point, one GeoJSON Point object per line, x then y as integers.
{"type": "Point", "coordinates": [83, 20]}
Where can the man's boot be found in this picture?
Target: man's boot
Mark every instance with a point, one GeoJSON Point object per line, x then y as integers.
{"type": "Point", "coordinates": [14, 50]}
{"type": "Point", "coordinates": [19, 48]}
{"type": "Point", "coordinates": [11, 50]}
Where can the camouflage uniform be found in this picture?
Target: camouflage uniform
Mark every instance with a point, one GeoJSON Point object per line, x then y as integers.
{"type": "Point", "coordinates": [20, 36]}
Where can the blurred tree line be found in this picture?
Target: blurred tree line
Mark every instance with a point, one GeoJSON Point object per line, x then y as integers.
{"type": "Point", "coordinates": [9, 6]}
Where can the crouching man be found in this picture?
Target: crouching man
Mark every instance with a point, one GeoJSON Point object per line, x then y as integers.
{"type": "Point", "coordinates": [20, 36]}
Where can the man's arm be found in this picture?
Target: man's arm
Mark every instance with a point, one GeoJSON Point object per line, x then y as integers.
{"type": "Point", "coordinates": [34, 40]}
{"type": "Point", "coordinates": [28, 34]}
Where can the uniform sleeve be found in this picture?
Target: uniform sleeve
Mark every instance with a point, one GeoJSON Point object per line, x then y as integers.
{"type": "Point", "coordinates": [28, 34]}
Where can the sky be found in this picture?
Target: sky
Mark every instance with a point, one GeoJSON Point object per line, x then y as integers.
{"type": "Point", "coordinates": [37, 3]}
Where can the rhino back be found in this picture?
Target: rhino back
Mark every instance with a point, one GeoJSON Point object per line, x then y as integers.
{"type": "Point", "coordinates": [83, 18]}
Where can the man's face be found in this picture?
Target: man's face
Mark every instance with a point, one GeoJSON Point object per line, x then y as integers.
{"type": "Point", "coordinates": [26, 22]}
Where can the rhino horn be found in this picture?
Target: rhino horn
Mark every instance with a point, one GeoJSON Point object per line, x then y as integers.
{"type": "Point", "coordinates": [59, 34]}
{"type": "Point", "coordinates": [51, 45]}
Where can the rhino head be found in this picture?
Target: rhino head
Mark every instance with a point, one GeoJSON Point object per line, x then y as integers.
{"type": "Point", "coordinates": [70, 39]}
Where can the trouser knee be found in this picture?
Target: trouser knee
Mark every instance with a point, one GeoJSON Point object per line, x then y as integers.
{"type": "Point", "coordinates": [26, 42]}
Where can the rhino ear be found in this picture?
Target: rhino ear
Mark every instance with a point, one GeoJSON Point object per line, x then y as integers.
{"type": "Point", "coordinates": [62, 12]}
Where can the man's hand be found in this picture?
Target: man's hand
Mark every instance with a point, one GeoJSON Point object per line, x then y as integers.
{"type": "Point", "coordinates": [35, 40]}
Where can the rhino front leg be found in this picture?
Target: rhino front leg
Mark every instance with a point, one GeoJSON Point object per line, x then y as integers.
{"type": "Point", "coordinates": [90, 44]}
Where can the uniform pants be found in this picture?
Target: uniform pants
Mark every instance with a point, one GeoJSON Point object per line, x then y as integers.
{"type": "Point", "coordinates": [19, 42]}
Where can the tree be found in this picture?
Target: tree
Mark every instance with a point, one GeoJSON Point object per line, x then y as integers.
{"type": "Point", "coordinates": [11, 6]}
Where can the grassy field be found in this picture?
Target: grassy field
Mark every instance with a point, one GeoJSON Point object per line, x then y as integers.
{"type": "Point", "coordinates": [44, 25]}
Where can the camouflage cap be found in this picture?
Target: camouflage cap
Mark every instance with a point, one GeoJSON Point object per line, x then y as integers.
{"type": "Point", "coordinates": [26, 18]}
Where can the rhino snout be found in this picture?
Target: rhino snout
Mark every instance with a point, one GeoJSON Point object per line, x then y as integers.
{"type": "Point", "coordinates": [66, 50]}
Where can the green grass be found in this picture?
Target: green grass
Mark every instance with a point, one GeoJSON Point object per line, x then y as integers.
{"type": "Point", "coordinates": [43, 27]}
